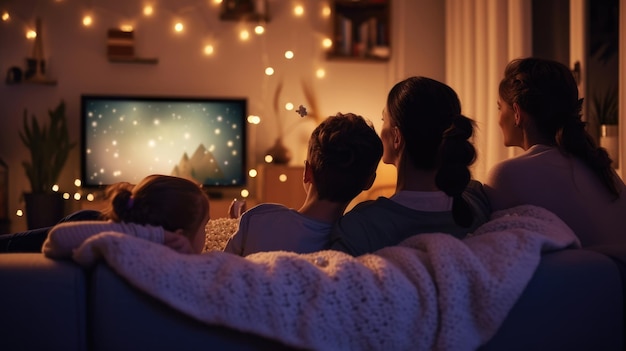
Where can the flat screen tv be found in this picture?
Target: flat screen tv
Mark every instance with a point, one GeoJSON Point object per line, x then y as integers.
{"type": "Point", "coordinates": [125, 138]}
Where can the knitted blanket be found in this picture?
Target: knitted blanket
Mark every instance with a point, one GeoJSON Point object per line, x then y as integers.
{"type": "Point", "coordinates": [432, 292]}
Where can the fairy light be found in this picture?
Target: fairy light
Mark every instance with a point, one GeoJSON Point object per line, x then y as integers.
{"type": "Point", "coordinates": [179, 27]}
{"type": "Point", "coordinates": [282, 178]}
{"type": "Point", "coordinates": [19, 213]}
{"type": "Point", "coordinates": [77, 182]}
{"type": "Point", "coordinates": [209, 50]}
{"type": "Point", "coordinates": [253, 119]}
{"type": "Point", "coordinates": [252, 173]}
{"type": "Point", "coordinates": [288, 54]}
{"type": "Point", "coordinates": [326, 11]}
{"type": "Point", "coordinates": [269, 71]}
{"type": "Point", "coordinates": [148, 10]}
{"type": "Point", "coordinates": [77, 196]}
{"type": "Point", "coordinates": [327, 43]}
{"type": "Point", "coordinates": [259, 29]}
{"type": "Point", "coordinates": [55, 188]}
{"type": "Point", "coordinates": [244, 193]}
{"type": "Point", "coordinates": [244, 35]}
{"type": "Point", "coordinates": [320, 73]}
{"type": "Point", "coordinates": [66, 196]}
{"type": "Point", "coordinates": [289, 106]}
{"type": "Point", "coordinates": [268, 159]}
{"type": "Point", "coordinates": [217, 2]}
{"type": "Point", "coordinates": [31, 34]}
{"type": "Point", "coordinates": [126, 28]}
{"type": "Point", "coordinates": [298, 10]}
{"type": "Point", "coordinates": [90, 197]}
{"type": "Point", "coordinates": [5, 16]}
{"type": "Point", "coordinates": [87, 21]}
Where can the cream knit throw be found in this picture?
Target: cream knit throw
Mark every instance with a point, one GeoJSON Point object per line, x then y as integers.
{"type": "Point", "coordinates": [432, 292]}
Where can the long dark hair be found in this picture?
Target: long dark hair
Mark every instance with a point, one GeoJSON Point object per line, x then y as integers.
{"type": "Point", "coordinates": [548, 92]}
{"type": "Point", "coordinates": [428, 115]}
{"type": "Point", "coordinates": [159, 200]}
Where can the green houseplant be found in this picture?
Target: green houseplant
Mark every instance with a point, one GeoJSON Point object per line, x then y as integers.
{"type": "Point", "coordinates": [49, 147]}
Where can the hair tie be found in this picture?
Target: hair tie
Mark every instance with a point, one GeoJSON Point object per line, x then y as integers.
{"type": "Point", "coordinates": [130, 203]}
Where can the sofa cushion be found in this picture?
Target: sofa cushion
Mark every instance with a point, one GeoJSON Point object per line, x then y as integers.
{"type": "Point", "coordinates": [43, 303]}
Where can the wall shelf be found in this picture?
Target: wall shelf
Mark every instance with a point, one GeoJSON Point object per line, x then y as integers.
{"type": "Point", "coordinates": [134, 59]}
{"type": "Point", "coordinates": [361, 30]}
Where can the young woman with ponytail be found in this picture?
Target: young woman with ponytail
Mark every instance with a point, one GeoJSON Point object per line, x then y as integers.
{"type": "Point", "coordinates": [562, 169]}
{"type": "Point", "coordinates": [428, 140]}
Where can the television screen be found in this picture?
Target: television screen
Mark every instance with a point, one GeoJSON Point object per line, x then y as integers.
{"type": "Point", "coordinates": [125, 138]}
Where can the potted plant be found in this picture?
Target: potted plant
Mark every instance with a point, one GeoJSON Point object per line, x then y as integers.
{"type": "Point", "coordinates": [605, 110]}
{"type": "Point", "coordinates": [49, 147]}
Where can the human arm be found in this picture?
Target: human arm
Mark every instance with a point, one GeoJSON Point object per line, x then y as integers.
{"type": "Point", "coordinates": [65, 237]}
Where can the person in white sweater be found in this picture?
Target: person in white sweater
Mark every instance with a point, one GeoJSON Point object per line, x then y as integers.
{"type": "Point", "coordinates": [165, 209]}
{"type": "Point", "coordinates": [562, 168]}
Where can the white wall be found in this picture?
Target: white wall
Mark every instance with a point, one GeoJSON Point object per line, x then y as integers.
{"type": "Point", "coordinates": [76, 58]}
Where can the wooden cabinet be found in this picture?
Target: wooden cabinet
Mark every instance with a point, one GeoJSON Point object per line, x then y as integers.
{"type": "Point", "coordinates": [280, 184]}
{"type": "Point", "coordinates": [361, 30]}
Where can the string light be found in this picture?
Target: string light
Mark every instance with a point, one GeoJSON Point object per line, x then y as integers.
{"type": "Point", "coordinates": [282, 178]}
{"type": "Point", "coordinates": [289, 106]}
{"type": "Point", "coordinates": [268, 159]}
{"type": "Point", "coordinates": [244, 35]}
{"type": "Point", "coordinates": [298, 10]}
{"type": "Point", "coordinates": [245, 193]}
{"type": "Point", "coordinates": [288, 54]}
{"type": "Point", "coordinates": [208, 50]}
{"type": "Point", "coordinates": [259, 29]}
{"type": "Point", "coordinates": [327, 43]}
{"type": "Point", "coordinates": [326, 11]}
{"type": "Point", "coordinates": [269, 71]}
{"type": "Point", "coordinates": [5, 16]}
{"type": "Point", "coordinates": [320, 73]}
{"type": "Point", "coordinates": [178, 27]}
{"type": "Point", "coordinates": [252, 119]}
{"type": "Point", "coordinates": [31, 34]}
{"type": "Point", "coordinates": [55, 188]}
{"type": "Point", "coordinates": [87, 21]}
{"type": "Point", "coordinates": [148, 10]}
{"type": "Point", "coordinates": [252, 173]}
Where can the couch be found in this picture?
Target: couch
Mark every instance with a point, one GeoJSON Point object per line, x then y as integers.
{"type": "Point", "coordinates": [573, 302]}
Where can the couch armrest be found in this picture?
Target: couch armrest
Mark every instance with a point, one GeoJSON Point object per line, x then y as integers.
{"type": "Point", "coordinates": [573, 302]}
{"type": "Point", "coordinates": [124, 318]}
{"type": "Point", "coordinates": [43, 303]}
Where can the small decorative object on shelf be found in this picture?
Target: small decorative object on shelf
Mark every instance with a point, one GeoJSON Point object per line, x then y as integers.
{"type": "Point", "coordinates": [361, 30]}
{"type": "Point", "coordinates": [121, 47]}
{"type": "Point", "coordinates": [245, 10]}
{"type": "Point", "coordinates": [35, 65]}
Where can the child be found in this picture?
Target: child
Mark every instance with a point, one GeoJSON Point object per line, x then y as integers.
{"type": "Point", "coordinates": [160, 208]}
{"type": "Point", "coordinates": [343, 154]}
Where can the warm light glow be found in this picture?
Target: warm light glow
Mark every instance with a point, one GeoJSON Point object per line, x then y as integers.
{"type": "Point", "coordinates": [66, 196]}
{"type": "Point", "coordinates": [126, 28]}
{"type": "Point", "coordinates": [252, 173]}
{"type": "Point", "coordinates": [282, 178]}
{"type": "Point", "coordinates": [31, 34]}
{"type": "Point", "coordinates": [179, 27]}
{"type": "Point", "coordinates": [268, 159]}
{"type": "Point", "coordinates": [320, 73]}
{"type": "Point", "coordinates": [87, 21]}
{"type": "Point", "coordinates": [77, 196]}
{"type": "Point", "coordinates": [208, 50]}
{"type": "Point", "coordinates": [5, 16]}
{"type": "Point", "coordinates": [148, 10]}
{"type": "Point", "coordinates": [298, 10]}
{"type": "Point", "coordinates": [245, 193]}
{"type": "Point", "coordinates": [55, 188]}
{"type": "Point", "coordinates": [77, 182]}
{"type": "Point", "coordinates": [19, 213]}
{"type": "Point", "coordinates": [326, 11]}
{"type": "Point", "coordinates": [217, 2]}
{"type": "Point", "coordinates": [288, 54]}
{"type": "Point", "coordinates": [259, 29]}
{"type": "Point", "coordinates": [252, 119]}
{"type": "Point", "coordinates": [269, 71]}
{"type": "Point", "coordinates": [327, 43]}
{"type": "Point", "coordinates": [289, 106]}
{"type": "Point", "coordinates": [90, 197]}
{"type": "Point", "coordinates": [244, 35]}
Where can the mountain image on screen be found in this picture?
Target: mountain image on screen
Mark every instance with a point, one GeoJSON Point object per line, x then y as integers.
{"type": "Point", "coordinates": [202, 166]}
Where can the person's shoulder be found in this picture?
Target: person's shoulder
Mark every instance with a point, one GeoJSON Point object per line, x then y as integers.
{"type": "Point", "coordinates": [266, 208]}
{"type": "Point", "coordinates": [371, 205]}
